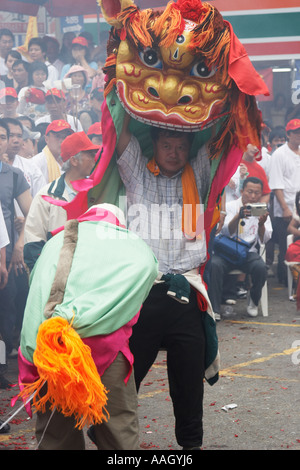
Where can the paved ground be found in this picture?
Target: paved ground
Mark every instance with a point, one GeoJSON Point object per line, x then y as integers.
{"type": "Point", "coordinates": [260, 375]}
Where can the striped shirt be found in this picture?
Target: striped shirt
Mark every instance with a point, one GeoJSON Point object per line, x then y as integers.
{"type": "Point", "coordinates": [154, 209]}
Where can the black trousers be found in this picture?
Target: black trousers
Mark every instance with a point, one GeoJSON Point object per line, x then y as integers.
{"type": "Point", "coordinates": [165, 323]}
{"type": "Point", "coordinates": [254, 265]}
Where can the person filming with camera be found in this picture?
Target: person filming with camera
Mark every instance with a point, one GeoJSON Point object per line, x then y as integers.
{"type": "Point", "coordinates": [247, 219]}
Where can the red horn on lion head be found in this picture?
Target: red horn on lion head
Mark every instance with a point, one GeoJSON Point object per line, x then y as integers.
{"type": "Point", "coordinates": [190, 9]}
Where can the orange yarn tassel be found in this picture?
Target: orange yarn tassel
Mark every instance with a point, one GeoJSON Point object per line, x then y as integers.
{"type": "Point", "coordinates": [73, 383]}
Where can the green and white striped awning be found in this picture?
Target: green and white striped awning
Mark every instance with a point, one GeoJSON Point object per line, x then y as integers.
{"type": "Point", "coordinates": [269, 29]}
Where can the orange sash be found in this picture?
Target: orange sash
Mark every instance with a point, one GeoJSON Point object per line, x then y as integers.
{"type": "Point", "coordinates": [191, 201]}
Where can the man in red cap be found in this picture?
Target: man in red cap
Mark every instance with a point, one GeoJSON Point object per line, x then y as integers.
{"type": "Point", "coordinates": [78, 159]}
{"type": "Point", "coordinates": [49, 159]}
{"type": "Point", "coordinates": [8, 103]}
{"type": "Point", "coordinates": [55, 101]}
{"type": "Point", "coordinates": [285, 182]}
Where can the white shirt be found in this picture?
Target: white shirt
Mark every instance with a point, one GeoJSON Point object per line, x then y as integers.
{"type": "Point", "coordinates": [4, 240]}
{"type": "Point", "coordinates": [285, 175]}
{"type": "Point", "coordinates": [265, 162]}
{"type": "Point", "coordinates": [40, 160]}
{"type": "Point", "coordinates": [249, 231]}
{"type": "Point", "coordinates": [53, 74]}
{"type": "Point", "coordinates": [155, 209]}
{"type": "Point", "coordinates": [70, 120]}
{"type": "Point", "coordinates": [3, 68]}
{"type": "Point", "coordinates": [32, 173]}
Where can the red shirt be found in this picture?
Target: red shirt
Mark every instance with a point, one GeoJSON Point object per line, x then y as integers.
{"type": "Point", "coordinates": [254, 169]}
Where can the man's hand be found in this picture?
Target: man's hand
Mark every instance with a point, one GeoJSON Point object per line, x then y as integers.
{"type": "Point", "coordinates": [262, 219]}
{"type": "Point", "coordinates": [287, 214]}
{"type": "Point", "coordinates": [17, 259]}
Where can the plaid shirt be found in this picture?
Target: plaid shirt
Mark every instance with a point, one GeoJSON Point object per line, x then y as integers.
{"type": "Point", "coordinates": [154, 209]}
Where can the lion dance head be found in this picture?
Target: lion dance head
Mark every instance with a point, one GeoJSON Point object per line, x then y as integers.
{"type": "Point", "coordinates": [183, 68]}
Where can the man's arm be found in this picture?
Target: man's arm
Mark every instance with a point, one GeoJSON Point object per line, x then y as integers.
{"type": "Point", "coordinates": [261, 227]}
{"type": "Point", "coordinates": [17, 261]}
{"type": "Point", "coordinates": [293, 228]}
{"type": "Point", "coordinates": [125, 136]}
{"type": "Point", "coordinates": [233, 224]}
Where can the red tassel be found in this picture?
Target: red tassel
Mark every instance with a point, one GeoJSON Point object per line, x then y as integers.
{"type": "Point", "coordinates": [190, 9]}
{"type": "Point", "coordinates": [123, 34]}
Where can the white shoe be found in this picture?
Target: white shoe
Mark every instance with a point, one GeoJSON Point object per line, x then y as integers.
{"type": "Point", "coordinates": [13, 353]}
{"type": "Point", "coordinates": [252, 309]}
{"type": "Point", "coordinates": [230, 302]}
{"type": "Point", "coordinates": [217, 316]}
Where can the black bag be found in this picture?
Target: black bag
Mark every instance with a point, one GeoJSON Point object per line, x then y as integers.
{"type": "Point", "coordinates": [234, 250]}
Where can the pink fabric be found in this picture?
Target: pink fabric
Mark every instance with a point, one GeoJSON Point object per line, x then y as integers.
{"type": "Point", "coordinates": [95, 214]}
{"type": "Point", "coordinates": [227, 167]}
{"type": "Point", "coordinates": [104, 350]}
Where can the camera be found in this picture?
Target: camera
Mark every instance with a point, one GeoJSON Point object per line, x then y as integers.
{"type": "Point", "coordinates": [257, 209]}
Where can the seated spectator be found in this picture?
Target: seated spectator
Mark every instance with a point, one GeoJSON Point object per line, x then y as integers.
{"type": "Point", "coordinates": [94, 133]}
{"type": "Point", "coordinates": [49, 159]}
{"type": "Point", "coordinates": [77, 97]}
{"type": "Point", "coordinates": [255, 231]}
{"type": "Point", "coordinates": [10, 59]}
{"type": "Point", "coordinates": [32, 97]}
{"type": "Point", "coordinates": [78, 157]}
{"type": "Point", "coordinates": [37, 53]}
{"type": "Point", "coordinates": [81, 56]}
{"type": "Point", "coordinates": [89, 117]}
{"type": "Point", "coordinates": [20, 72]}
{"type": "Point", "coordinates": [56, 110]}
{"type": "Point", "coordinates": [9, 103]}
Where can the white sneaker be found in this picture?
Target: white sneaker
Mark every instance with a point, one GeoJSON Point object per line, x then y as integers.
{"type": "Point", "coordinates": [217, 316]}
{"type": "Point", "coordinates": [230, 302]}
{"type": "Point", "coordinates": [252, 309]}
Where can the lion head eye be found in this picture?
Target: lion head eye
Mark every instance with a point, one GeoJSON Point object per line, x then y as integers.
{"type": "Point", "coordinates": [151, 58]}
{"type": "Point", "coordinates": [200, 69]}
{"type": "Point", "coordinates": [180, 39]}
